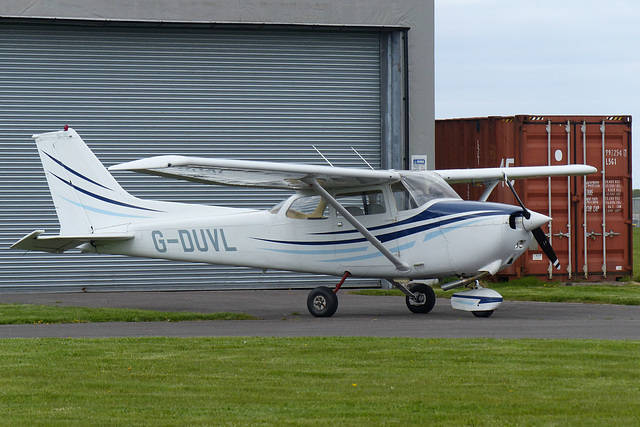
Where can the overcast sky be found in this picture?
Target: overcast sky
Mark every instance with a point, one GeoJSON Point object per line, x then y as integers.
{"type": "Point", "coordinates": [507, 57]}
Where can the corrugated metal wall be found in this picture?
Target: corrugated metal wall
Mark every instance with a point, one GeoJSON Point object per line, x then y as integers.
{"type": "Point", "coordinates": [139, 91]}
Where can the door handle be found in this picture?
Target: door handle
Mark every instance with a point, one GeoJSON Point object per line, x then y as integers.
{"type": "Point", "coordinates": [611, 233]}
{"type": "Point", "coordinates": [593, 234]}
{"type": "Point", "coordinates": [560, 235]}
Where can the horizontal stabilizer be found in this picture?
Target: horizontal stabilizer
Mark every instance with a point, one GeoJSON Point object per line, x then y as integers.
{"type": "Point", "coordinates": [58, 244]}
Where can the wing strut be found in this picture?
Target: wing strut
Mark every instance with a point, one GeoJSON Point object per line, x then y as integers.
{"type": "Point", "coordinates": [488, 188]}
{"type": "Point", "coordinates": [399, 264]}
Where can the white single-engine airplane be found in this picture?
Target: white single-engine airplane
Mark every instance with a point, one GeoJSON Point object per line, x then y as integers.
{"type": "Point", "coordinates": [387, 224]}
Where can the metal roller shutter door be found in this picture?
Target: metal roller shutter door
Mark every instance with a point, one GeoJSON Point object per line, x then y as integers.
{"type": "Point", "coordinates": [138, 91]}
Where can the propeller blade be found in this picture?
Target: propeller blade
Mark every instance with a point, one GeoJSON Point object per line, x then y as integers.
{"type": "Point", "coordinates": [539, 235]}
{"type": "Point", "coordinates": [543, 241]}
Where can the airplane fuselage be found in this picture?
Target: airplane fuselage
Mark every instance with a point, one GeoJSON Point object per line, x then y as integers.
{"type": "Point", "coordinates": [435, 240]}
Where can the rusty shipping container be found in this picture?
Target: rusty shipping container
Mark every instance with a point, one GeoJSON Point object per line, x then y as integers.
{"type": "Point", "coordinates": [591, 231]}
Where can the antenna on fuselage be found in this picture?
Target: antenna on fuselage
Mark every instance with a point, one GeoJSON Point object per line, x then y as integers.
{"type": "Point", "coordinates": [363, 159]}
{"type": "Point", "coordinates": [322, 155]}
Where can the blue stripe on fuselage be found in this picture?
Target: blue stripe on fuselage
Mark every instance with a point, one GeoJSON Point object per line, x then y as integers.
{"type": "Point", "coordinates": [439, 214]}
{"type": "Point", "coordinates": [443, 209]}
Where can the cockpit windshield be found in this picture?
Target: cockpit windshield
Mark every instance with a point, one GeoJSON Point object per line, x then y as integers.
{"type": "Point", "coordinates": [425, 187]}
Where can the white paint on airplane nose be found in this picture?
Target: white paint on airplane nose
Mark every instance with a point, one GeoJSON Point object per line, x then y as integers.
{"type": "Point", "coordinates": [536, 220]}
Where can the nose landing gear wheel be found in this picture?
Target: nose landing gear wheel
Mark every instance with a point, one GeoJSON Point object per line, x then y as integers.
{"type": "Point", "coordinates": [425, 298]}
{"type": "Point", "coordinates": [322, 302]}
{"type": "Point", "coordinates": [487, 313]}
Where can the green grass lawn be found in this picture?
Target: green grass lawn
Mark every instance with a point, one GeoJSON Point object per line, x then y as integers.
{"type": "Point", "coordinates": [318, 381]}
{"type": "Point", "coordinates": [636, 253]}
{"type": "Point", "coordinates": [533, 289]}
{"type": "Point", "coordinates": [11, 314]}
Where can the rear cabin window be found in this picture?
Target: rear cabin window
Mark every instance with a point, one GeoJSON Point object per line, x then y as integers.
{"type": "Point", "coordinates": [402, 197]}
{"type": "Point", "coordinates": [362, 202]}
{"type": "Point", "coordinates": [308, 207]}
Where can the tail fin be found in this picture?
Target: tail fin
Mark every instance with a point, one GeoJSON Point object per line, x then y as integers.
{"type": "Point", "coordinates": [86, 197]}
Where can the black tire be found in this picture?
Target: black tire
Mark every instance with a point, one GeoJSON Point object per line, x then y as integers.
{"type": "Point", "coordinates": [322, 302]}
{"type": "Point", "coordinates": [426, 298]}
{"type": "Point", "coordinates": [486, 313]}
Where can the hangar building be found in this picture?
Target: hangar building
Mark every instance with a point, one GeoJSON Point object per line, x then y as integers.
{"type": "Point", "coordinates": [248, 79]}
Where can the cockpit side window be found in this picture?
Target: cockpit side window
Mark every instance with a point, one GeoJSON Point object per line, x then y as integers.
{"type": "Point", "coordinates": [425, 187]}
{"type": "Point", "coordinates": [363, 202]}
{"type": "Point", "coordinates": [308, 207]}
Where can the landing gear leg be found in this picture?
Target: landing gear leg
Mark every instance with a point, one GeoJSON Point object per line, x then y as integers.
{"type": "Point", "coordinates": [339, 285]}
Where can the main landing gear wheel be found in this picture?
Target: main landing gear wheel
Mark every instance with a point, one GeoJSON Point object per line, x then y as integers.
{"type": "Point", "coordinates": [322, 302]}
{"type": "Point", "coordinates": [425, 298]}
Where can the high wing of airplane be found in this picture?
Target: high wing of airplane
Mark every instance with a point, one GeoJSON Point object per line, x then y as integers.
{"type": "Point", "coordinates": [395, 225]}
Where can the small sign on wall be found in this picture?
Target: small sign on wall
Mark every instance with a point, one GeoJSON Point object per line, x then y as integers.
{"type": "Point", "coordinates": [418, 162]}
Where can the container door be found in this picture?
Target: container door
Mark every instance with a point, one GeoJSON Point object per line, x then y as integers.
{"type": "Point", "coordinates": [605, 244]}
